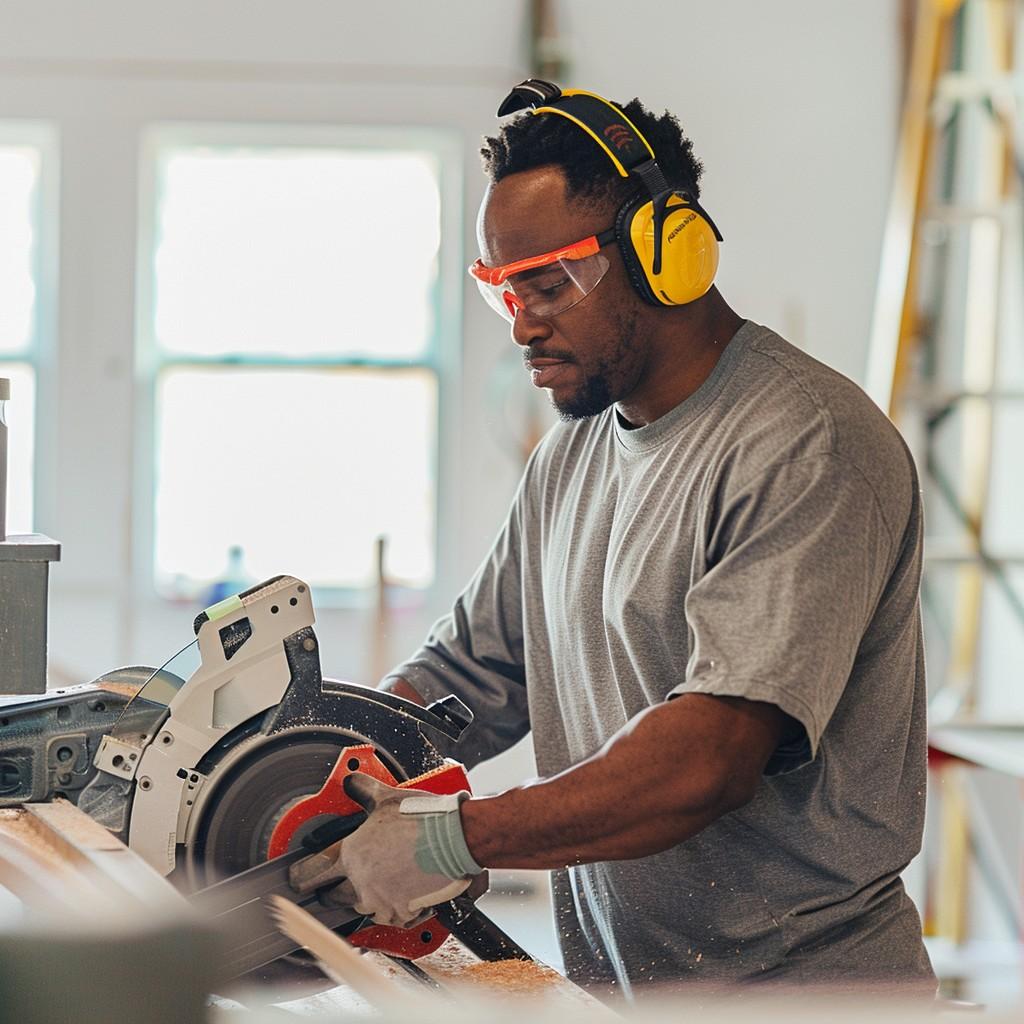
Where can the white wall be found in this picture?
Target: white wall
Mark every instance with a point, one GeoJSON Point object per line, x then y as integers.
{"type": "Point", "coordinates": [792, 106]}
{"type": "Point", "coordinates": [102, 72]}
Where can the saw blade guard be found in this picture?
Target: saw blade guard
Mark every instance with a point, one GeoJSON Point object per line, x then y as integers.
{"type": "Point", "coordinates": [107, 796]}
{"type": "Point", "coordinates": [252, 730]}
{"type": "Point", "coordinates": [244, 671]}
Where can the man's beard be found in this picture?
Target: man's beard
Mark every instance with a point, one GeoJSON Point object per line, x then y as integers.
{"type": "Point", "coordinates": [599, 390]}
{"type": "Point", "coordinates": [593, 397]}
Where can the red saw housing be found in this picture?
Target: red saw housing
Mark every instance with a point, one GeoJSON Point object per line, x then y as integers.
{"type": "Point", "coordinates": [331, 800]}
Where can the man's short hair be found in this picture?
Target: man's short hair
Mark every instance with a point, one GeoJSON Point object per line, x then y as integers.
{"type": "Point", "coordinates": [540, 140]}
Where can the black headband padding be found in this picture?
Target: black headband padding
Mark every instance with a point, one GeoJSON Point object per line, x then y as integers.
{"type": "Point", "coordinates": [602, 117]}
{"type": "Point", "coordinates": [610, 124]}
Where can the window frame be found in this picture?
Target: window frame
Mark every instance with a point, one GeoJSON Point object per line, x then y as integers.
{"type": "Point", "coordinates": [441, 357]}
{"type": "Point", "coordinates": [40, 352]}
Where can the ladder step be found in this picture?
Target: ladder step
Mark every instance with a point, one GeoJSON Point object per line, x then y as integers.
{"type": "Point", "coordinates": [953, 213]}
{"type": "Point", "coordinates": [964, 86]}
{"type": "Point", "coordinates": [956, 554]}
{"type": "Point", "coordinates": [935, 400]}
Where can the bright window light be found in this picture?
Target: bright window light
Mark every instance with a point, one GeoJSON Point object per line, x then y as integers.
{"type": "Point", "coordinates": [293, 315]}
{"type": "Point", "coordinates": [297, 253]}
{"type": "Point", "coordinates": [21, 418]}
{"type": "Point", "coordinates": [302, 470]}
{"type": "Point", "coordinates": [19, 182]}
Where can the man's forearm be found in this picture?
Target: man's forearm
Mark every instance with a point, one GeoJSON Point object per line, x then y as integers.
{"type": "Point", "coordinates": [663, 778]}
{"type": "Point", "coordinates": [400, 688]}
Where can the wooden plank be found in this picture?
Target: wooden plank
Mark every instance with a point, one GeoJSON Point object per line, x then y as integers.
{"type": "Point", "coordinates": [98, 849]}
{"type": "Point", "coordinates": [79, 861]}
{"type": "Point", "coordinates": [23, 870]}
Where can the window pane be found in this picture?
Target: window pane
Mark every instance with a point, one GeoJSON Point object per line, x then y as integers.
{"type": "Point", "coordinates": [19, 179]}
{"type": "Point", "coordinates": [21, 418]}
{"type": "Point", "coordinates": [300, 469]}
{"type": "Point", "coordinates": [296, 252]}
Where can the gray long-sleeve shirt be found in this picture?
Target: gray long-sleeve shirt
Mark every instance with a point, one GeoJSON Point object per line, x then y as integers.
{"type": "Point", "coordinates": [760, 540]}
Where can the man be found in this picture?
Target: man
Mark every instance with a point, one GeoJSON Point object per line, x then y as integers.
{"type": "Point", "coordinates": [703, 603]}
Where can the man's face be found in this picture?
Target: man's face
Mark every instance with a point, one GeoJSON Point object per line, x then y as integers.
{"type": "Point", "coordinates": [592, 354]}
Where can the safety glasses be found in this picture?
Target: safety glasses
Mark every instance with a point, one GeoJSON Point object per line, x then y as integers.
{"type": "Point", "coordinates": [548, 284]}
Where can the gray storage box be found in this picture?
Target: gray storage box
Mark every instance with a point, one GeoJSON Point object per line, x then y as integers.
{"type": "Point", "coordinates": [24, 571]}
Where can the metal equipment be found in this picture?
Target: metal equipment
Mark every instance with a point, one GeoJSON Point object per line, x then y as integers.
{"type": "Point", "coordinates": [24, 572]}
{"type": "Point", "coordinates": [222, 779]}
{"type": "Point", "coordinates": [24, 590]}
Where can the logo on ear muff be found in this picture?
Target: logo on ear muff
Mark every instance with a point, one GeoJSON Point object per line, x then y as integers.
{"type": "Point", "coordinates": [668, 242]}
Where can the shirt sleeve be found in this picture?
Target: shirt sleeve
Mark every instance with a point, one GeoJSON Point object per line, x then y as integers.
{"type": "Point", "coordinates": [797, 563]}
{"type": "Point", "coordinates": [476, 650]}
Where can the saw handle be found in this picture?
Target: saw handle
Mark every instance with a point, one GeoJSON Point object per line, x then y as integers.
{"type": "Point", "coordinates": [454, 713]}
{"type": "Point", "coordinates": [331, 831]}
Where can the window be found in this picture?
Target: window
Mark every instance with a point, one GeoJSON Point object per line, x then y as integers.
{"type": "Point", "coordinates": [24, 156]}
{"type": "Point", "coordinates": [290, 325]}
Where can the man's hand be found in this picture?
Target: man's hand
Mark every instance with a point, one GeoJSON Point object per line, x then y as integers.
{"type": "Point", "coordinates": [409, 855]}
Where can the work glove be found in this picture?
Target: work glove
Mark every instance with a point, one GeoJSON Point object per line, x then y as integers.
{"type": "Point", "coordinates": [408, 856]}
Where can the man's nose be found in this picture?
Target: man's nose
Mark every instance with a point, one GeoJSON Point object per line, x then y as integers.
{"type": "Point", "coordinates": [527, 329]}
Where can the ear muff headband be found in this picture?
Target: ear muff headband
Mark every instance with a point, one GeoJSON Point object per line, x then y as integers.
{"type": "Point", "coordinates": [668, 242]}
{"type": "Point", "coordinates": [607, 125]}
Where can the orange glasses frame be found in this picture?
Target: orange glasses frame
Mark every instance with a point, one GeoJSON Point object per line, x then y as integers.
{"type": "Point", "coordinates": [499, 275]}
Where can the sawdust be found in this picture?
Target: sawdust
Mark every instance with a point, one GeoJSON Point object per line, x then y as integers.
{"type": "Point", "coordinates": [512, 977]}
{"type": "Point", "coordinates": [450, 958]}
{"type": "Point", "coordinates": [453, 963]}
{"type": "Point", "coordinates": [125, 689]}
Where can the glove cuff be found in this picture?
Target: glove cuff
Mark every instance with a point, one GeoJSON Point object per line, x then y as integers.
{"type": "Point", "coordinates": [442, 847]}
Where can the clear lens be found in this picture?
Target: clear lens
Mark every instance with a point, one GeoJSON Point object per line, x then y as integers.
{"type": "Point", "coordinates": [494, 293]}
{"type": "Point", "coordinates": [547, 291]}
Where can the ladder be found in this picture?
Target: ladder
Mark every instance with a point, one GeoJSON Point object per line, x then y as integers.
{"type": "Point", "coordinates": [948, 322]}
{"type": "Point", "coordinates": [940, 324]}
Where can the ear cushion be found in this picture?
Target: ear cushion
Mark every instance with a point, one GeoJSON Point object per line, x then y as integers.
{"type": "Point", "coordinates": [689, 255]}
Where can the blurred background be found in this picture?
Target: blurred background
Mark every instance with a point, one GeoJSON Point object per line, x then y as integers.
{"type": "Point", "coordinates": [241, 339]}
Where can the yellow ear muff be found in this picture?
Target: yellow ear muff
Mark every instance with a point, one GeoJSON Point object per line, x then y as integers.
{"type": "Point", "coordinates": [689, 252]}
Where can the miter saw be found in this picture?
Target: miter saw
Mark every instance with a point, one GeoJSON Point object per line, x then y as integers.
{"type": "Point", "coordinates": [222, 779]}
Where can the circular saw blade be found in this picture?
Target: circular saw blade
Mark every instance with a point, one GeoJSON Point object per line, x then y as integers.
{"type": "Point", "coordinates": [249, 787]}
{"type": "Point", "coordinates": [263, 779]}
